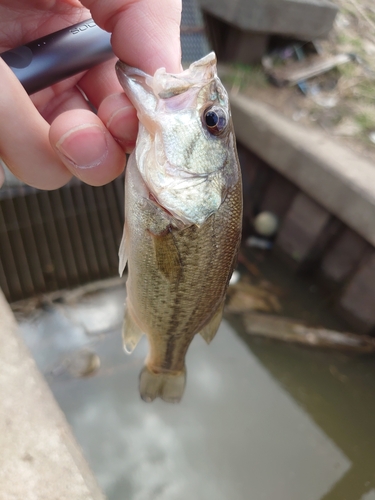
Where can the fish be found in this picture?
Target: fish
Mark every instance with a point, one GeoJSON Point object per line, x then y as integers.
{"type": "Point", "coordinates": [183, 217]}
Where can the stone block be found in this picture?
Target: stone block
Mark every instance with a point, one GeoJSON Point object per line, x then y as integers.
{"type": "Point", "coordinates": [255, 177]}
{"type": "Point", "coordinates": [344, 256]}
{"type": "Point", "coordinates": [301, 19]}
{"type": "Point", "coordinates": [278, 196]}
{"type": "Point", "coordinates": [302, 229]}
{"type": "Point", "coordinates": [357, 304]}
{"type": "Point", "coordinates": [232, 44]}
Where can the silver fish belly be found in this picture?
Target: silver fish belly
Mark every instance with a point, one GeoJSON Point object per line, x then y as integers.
{"type": "Point", "coordinates": [183, 215]}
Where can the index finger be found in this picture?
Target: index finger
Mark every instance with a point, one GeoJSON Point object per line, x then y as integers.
{"type": "Point", "coordinates": [145, 33]}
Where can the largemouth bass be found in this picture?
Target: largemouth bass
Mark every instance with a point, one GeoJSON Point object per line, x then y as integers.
{"type": "Point", "coordinates": [183, 215]}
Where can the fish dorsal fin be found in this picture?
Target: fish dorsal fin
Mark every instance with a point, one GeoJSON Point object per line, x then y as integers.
{"type": "Point", "coordinates": [167, 256]}
{"type": "Point", "coordinates": [209, 331]}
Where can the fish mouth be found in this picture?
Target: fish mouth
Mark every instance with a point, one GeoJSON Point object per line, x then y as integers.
{"type": "Point", "coordinates": [145, 91]}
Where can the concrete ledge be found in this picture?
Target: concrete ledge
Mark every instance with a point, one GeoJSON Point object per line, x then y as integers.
{"type": "Point", "coordinates": [335, 177]}
{"type": "Point", "coordinates": [39, 458]}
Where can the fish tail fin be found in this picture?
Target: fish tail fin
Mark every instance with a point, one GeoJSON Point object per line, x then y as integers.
{"type": "Point", "coordinates": [167, 386]}
{"type": "Point", "coordinates": [131, 333]}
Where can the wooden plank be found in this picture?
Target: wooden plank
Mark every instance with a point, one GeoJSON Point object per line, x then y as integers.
{"type": "Point", "coordinates": [302, 70]}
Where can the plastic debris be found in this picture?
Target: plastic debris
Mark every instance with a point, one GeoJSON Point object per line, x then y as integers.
{"type": "Point", "coordinates": [261, 243]}
{"type": "Point", "coordinates": [235, 278]}
{"type": "Point", "coordinates": [266, 224]}
{"type": "Point", "coordinates": [302, 70]}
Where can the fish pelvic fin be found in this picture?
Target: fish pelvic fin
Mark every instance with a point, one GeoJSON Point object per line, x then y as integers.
{"type": "Point", "coordinates": [167, 386]}
{"type": "Point", "coordinates": [131, 333]}
{"type": "Point", "coordinates": [208, 332]}
{"type": "Point", "coordinates": [123, 258]}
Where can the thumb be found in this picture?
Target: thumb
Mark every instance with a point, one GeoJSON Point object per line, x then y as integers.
{"type": "Point", "coordinates": [24, 141]}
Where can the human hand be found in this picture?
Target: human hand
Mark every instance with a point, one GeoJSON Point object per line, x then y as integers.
{"type": "Point", "coordinates": [47, 137]}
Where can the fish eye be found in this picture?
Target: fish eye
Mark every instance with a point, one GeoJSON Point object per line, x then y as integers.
{"type": "Point", "coordinates": [215, 119]}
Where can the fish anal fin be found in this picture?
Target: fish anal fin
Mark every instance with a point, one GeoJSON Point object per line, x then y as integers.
{"type": "Point", "coordinates": [131, 333]}
{"type": "Point", "coordinates": [167, 386]}
{"type": "Point", "coordinates": [208, 332]}
{"type": "Point", "coordinates": [167, 256]}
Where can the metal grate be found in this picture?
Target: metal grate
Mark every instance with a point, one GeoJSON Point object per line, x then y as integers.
{"type": "Point", "coordinates": [193, 39]}
{"type": "Point", "coordinates": [58, 239]}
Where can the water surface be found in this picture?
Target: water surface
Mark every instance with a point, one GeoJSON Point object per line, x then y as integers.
{"type": "Point", "coordinates": [259, 419]}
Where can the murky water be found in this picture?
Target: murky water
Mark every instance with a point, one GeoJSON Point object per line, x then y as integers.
{"type": "Point", "coordinates": [260, 419]}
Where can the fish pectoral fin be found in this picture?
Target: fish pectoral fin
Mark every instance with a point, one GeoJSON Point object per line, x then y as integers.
{"type": "Point", "coordinates": [209, 331]}
{"type": "Point", "coordinates": [131, 333]}
{"type": "Point", "coordinates": [123, 258]}
{"type": "Point", "coordinates": [167, 386]}
{"type": "Point", "coordinates": [167, 256]}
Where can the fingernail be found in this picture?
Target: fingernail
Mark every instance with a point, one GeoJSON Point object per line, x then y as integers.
{"type": "Point", "coordinates": [72, 146]}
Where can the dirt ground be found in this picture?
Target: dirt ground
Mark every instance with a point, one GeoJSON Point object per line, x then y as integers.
{"type": "Point", "coordinates": [342, 101]}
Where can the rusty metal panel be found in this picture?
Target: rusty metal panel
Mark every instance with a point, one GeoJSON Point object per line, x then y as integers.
{"type": "Point", "coordinates": [29, 242]}
{"type": "Point", "coordinates": [96, 231]}
{"type": "Point", "coordinates": [85, 231]}
{"type": "Point", "coordinates": [12, 282]}
{"type": "Point", "coordinates": [75, 238]}
{"type": "Point", "coordinates": [50, 230]}
{"type": "Point", "coordinates": [106, 229]}
{"type": "Point", "coordinates": [58, 239]}
{"type": "Point", "coordinates": [12, 226]}
{"type": "Point", "coordinates": [41, 241]}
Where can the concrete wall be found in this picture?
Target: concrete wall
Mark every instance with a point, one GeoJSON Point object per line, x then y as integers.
{"type": "Point", "coordinates": [324, 196]}
{"type": "Point", "coordinates": [39, 457]}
